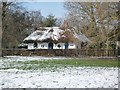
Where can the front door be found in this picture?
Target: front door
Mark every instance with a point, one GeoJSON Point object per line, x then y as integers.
{"type": "Point", "coordinates": [66, 45]}
{"type": "Point", "coordinates": [50, 45]}
{"type": "Point", "coordinates": [35, 45]}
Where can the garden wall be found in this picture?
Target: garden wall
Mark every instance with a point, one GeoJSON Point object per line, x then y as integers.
{"type": "Point", "coordinates": [58, 52]}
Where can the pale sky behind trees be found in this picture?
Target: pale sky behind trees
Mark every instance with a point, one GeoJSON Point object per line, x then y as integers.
{"type": "Point", "coordinates": [46, 8]}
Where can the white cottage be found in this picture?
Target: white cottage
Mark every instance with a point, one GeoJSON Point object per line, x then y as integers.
{"type": "Point", "coordinates": [54, 38]}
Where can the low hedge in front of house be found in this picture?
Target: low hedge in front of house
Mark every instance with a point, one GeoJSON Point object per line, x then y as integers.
{"type": "Point", "coordinates": [58, 52]}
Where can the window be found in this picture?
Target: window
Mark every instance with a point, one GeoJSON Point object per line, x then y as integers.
{"type": "Point", "coordinates": [59, 46]}
{"type": "Point", "coordinates": [42, 45]}
{"type": "Point", "coordinates": [71, 45]}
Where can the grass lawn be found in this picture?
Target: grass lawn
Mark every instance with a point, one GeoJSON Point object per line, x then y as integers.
{"type": "Point", "coordinates": [54, 64]}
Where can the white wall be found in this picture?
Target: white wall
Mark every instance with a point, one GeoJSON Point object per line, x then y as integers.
{"type": "Point", "coordinates": [30, 45]}
{"type": "Point", "coordinates": [55, 46]}
{"type": "Point", "coordinates": [42, 46]}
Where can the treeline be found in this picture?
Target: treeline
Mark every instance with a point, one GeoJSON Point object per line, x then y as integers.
{"type": "Point", "coordinates": [18, 23]}
{"type": "Point", "coordinates": [97, 20]}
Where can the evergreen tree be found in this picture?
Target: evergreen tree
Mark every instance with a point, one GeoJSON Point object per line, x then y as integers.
{"type": "Point", "coordinates": [50, 21]}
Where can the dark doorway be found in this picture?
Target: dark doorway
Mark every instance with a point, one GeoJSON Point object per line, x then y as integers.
{"type": "Point", "coordinates": [66, 45]}
{"type": "Point", "coordinates": [50, 45]}
{"type": "Point", "coordinates": [118, 51]}
{"type": "Point", "coordinates": [35, 45]}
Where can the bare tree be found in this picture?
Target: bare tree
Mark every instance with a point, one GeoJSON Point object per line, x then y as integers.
{"type": "Point", "coordinates": [0, 29]}
{"type": "Point", "coordinates": [94, 19]}
{"type": "Point", "coordinates": [36, 18]}
{"type": "Point", "coordinates": [3, 9]}
{"type": "Point", "coordinates": [59, 22]}
{"type": "Point", "coordinates": [15, 22]}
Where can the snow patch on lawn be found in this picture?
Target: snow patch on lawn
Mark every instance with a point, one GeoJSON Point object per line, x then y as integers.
{"type": "Point", "coordinates": [28, 58]}
{"type": "Point", "coordinates": [71, 77]}
{"type": "Point", "coordinates": [9, 61]}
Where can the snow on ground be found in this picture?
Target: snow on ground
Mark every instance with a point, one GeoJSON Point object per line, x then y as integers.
{"type": "Point", "coordinates": [79, 77]}
{"type": "Point", "coordinates": [26, 58]}
{"type": "Point", "coordinates": [71, 77]}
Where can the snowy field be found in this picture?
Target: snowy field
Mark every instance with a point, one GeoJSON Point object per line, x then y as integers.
{"type": "Point", "coordinates": [69, 77]}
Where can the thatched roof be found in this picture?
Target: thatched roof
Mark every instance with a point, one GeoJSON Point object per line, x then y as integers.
{"type": "Point", "coordinates": [55, 34]}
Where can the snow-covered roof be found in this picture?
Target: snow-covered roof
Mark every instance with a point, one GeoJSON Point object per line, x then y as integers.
{"type": "Point", "coordinates": [55, 34]}
{"type": "Point", "coordinates": [83, 38]}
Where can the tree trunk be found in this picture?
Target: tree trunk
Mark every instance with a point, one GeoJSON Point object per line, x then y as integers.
{"type": "Point", "coordinates": [0, 29]}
